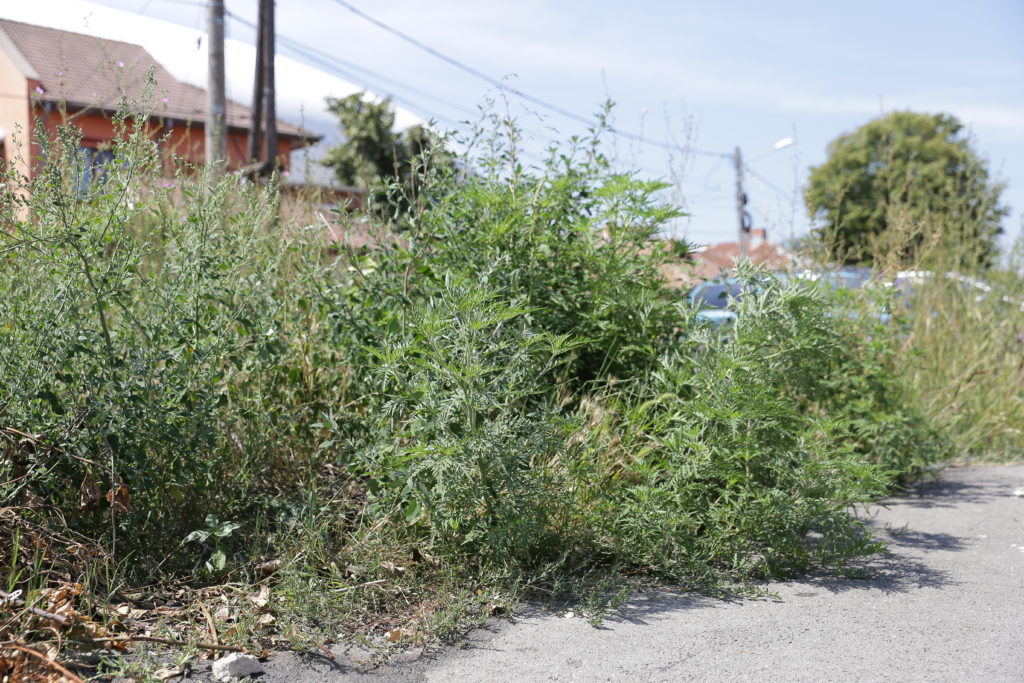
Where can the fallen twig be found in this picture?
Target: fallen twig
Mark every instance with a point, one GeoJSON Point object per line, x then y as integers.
{"type": "Point", "coordinates": [39, 655]}
{"type": "Point", "coordinates": [163, 641]}
{"type": "Point", "coordinates": [209, 622]}
{"type": "Point", "coordinates": [18, 602]}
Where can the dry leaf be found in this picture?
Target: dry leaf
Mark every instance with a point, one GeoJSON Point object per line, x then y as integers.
{"type": "Point", "coordinates": [423, 556]}
{"type": "Point", "coordinates": [268, 567]}
{"type": "Point", "coordinates": [61, 600]}
{"type": "Point", "coordinates": [267, 620]}
{"type": "Point", "coordinates": [88, 494]}
{"type": "Point", "coordinates": [118, 497]}
{"type": "Point", "coordinates": [222, 613]}
{"type": "Point", "coordinates": [31, 500]}
{"type": "Point", "coordinates": [262, 598]}
{"type": "Point", "coordinates": [395, 634]}
{"type": "Point", "coordinates": [165, 673]}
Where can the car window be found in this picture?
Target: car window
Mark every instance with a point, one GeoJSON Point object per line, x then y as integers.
{"type": "Point", "coordinates": [715, 295]}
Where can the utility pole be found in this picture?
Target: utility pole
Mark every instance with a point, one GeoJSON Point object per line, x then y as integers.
{"type": "Point", "coordinates": [269, 89]}
{"type": "Point", "coordinates": [263, 161]}
{"type": "Point", "coordinates": [741, 205]}
{"type": "Point", "coordinates": [216, 134]}
{"type": "Point", "coordinates": [256, 126]}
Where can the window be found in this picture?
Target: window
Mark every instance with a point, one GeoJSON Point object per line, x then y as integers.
{"type": "Point", "coordinates": [91, 169]}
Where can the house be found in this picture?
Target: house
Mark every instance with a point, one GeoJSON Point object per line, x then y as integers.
{"type": "Point", "coordinates": [59, 76]}
{"type": "Point", "coordinates": [707, 263]}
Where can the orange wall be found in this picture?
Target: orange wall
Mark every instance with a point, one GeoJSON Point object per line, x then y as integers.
{"type": "Point", "coordinates": [180, 138]}
{"type": "Point", "coordinates": [14, 93]}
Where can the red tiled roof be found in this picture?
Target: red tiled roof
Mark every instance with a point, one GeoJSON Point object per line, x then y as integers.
{"type": "Point", "coordinates": [85, 71]}
{"type": "Point", "coordinates": [715, 259]}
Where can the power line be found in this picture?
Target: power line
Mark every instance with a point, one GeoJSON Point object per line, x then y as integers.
{"type": "Point", "coordinates": [323, 57]}
{"type": "Point", "coordinates": [767, 183]}
{"type": "Point", "coordinates": [517, 92]}
{"type": "Point", "coordinates": [333, 68]}
{"type": "Point", "coordinates": [329, 63]}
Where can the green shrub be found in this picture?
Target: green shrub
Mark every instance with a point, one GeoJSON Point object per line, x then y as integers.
{"type": "Point", "coordinates": [471, 438]}
{"type": "Point", "coordinates": [120, 321]}
{"type": "Point", "coordinates": [738, 471]}
{"type": "Point", "coordinates": [570, 240]}
{"type": "Point", "coordinates": [501, 392]}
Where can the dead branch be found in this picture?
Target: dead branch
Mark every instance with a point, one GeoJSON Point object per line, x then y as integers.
{"type": "Point", "coordinates": [162, 641]}
{"type": "Point", "coordinates": [18, 602]}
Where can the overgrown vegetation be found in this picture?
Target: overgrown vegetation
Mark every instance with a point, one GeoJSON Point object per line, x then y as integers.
{"type": "Point", "coordinates": [906, 195]}
{"type": "Point", "coordinates": [501, 396]}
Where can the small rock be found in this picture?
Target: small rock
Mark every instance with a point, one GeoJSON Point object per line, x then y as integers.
{"type": "Point", "coordinates": [236, 665]}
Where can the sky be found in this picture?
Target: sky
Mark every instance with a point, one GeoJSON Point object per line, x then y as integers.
{"type": "Point", "coordinates": [708, 76]}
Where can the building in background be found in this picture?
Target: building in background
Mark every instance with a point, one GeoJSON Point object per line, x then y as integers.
{"type": "Point", "coordinates": [59, 76]}
{"type": "Point", "coordinates": [715, 260]}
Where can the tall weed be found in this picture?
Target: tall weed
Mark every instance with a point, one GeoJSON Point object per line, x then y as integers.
{"type": "Point", "coordinates": [499, 391]}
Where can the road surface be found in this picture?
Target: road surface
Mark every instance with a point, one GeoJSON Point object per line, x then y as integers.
{"type": "Point", "coordinates": [946, 605]}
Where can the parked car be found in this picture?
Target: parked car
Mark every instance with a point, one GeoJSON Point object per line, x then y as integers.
{"type": "Point", "coordinates": [844, 278]}
{"type": "Point", "coordinates": [714, 299]}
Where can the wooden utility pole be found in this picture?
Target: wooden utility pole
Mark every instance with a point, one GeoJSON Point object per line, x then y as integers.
{"type": "Point", "coordinates": [216, 133]}
{"type": "Point", "coordinates": [741, 204]}
{"type": "Point", "coordinates": [254, 153]}
{"type": "Point", "coordinates": [269, 88]}
{"type": "Point", "coordinates": [263, 161]}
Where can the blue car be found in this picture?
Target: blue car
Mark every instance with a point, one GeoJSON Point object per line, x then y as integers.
{"type": "Point", "coordinates": [714, 298]}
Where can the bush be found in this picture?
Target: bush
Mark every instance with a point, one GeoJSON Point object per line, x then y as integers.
{"type": "Point", "coordinates": [739, 469]}
{"type": "Point", "coordinates": [122, 318]}
{"type": "Point", "coordinates": [570, 240]}
{"type": "Point", "coordinates": [501, 392]}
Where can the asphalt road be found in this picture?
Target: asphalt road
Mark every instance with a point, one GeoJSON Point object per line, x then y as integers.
{"type": "Point", "coordinates": [946, 605]}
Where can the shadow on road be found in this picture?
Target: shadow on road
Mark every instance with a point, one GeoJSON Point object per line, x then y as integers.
{"type": "Point", "coordinates": [906, 537]}
{"type": "Point", "coordinates": [887, 573]}
{"type": "Point", "coordinates": [947, 493]}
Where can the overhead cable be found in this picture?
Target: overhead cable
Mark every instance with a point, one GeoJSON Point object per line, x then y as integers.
{"type": "Point", "coordinates": [767, 183]}
{"type": "Point", "coordinates": [501, 85]}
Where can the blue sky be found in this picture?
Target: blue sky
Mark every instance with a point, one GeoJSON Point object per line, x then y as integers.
{"type": "Point", "coordinates": [716, 74]}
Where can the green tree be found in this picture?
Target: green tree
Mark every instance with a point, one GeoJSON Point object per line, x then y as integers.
{"type": "Point", "coordinates": [902, 184]}
{"type": "Point", "coordinates": [374, 155]}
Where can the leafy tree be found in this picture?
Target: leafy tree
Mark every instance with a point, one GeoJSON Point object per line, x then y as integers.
{"type": "Point", "coordinates": [374, 155]}
{"type": "Point", "coordinates": [902, 183]}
